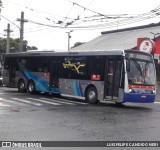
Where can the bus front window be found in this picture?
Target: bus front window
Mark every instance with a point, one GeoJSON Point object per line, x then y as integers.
{"type": "Point", "coordinates": [141, 72]}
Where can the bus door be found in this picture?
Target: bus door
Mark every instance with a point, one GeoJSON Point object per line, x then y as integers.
{"type": "Point", "coordinates": [113, 78]}
{"type": "Point", "coordinates": [54, 76]}
{"type": "Point", "coordinates": [12, 72]}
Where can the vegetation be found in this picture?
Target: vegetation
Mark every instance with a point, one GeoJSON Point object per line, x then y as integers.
{"type": "Point", "coordinates": [14, 45]}
{"type": "Point", "coordinates": [77, 44]}
{"type": "Point", "coordinates": [0, 5]}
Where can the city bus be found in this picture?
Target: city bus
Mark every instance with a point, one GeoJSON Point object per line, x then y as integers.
{"type": "Point", "coordinates": [116, 75]}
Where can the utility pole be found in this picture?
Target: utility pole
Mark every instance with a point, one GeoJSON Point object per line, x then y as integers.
{"type": "Point", "coordinates": [22, 20]}
{"type": "Point", "coordinates": [8, 38]}
{"type": "Point", "coordinates": [69, 36]}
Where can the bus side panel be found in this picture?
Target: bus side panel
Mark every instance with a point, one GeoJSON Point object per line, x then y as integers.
{"type": "Point", "coordinates": [78, 87]}
{"type": "Point", "coordinates": [41, 80]}
{"type": "Point", "coordinates": [5, 77]}
{"type": "Point", "coordinates": [15, 78]}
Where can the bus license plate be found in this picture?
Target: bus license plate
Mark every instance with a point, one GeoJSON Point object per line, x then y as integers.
{"type": "Point", "coordinates": [143, 96]}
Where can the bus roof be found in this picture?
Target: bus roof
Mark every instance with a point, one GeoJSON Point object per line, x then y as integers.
{"type": "Point", "coordinates": [52, 53]}
{"type": "Point", "coordinates": [84, 53]}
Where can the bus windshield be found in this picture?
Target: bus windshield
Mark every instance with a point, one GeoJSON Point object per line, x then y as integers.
{"type": "Point", "coordinates": [141, 72]}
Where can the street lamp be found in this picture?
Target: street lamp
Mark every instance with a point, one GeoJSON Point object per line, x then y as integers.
{"type": "Point", "coordinates": [69, 36]}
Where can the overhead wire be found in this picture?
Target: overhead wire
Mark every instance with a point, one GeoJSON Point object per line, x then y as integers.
{"type": "Point", "coordinates": [9, 21]}
{"type": "Point", "coordinates": [134, 19]}
{"type": "Point", "coordinates": [36, 10]}
{"type": "Point", "coordinates": [70, 10]}
{"type": "Point", "coordinates": [41, 33]}
{"type": "Point", "coordinates": [86, 8]}
{"type": "Point", "coordinates": [121, 22]}
{"type": "Point", "coordinates": [78, 17]}
{"type": "Point", "coordinates": [125, 21]}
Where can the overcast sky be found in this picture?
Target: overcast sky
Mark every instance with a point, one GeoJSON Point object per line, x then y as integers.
{"type": "Point", "coordinates": [50, 12]}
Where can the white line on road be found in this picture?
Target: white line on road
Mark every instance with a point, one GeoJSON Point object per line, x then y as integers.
{"type": "Point", "coordinates": [157, 102]}
{"type": "Point", "coordinates": [44, 101]}
{"type": "Point", "coordinates": [70, 101]}
{"type": "Point", "coordinates": [4, 104]}
{"type": "Point", "coordinates": [58, 101]}
{"type": "Point", "coordinates": [26, 101]}
{"type": "Point", "coordinates": [14, 102]}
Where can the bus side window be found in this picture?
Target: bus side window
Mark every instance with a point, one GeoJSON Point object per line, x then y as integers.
{"type": "Point", "coordinates": [96, 66]}
{"type": "Point", "coordinates": [6, 63]}
{"type": "Point", "coordinates": [74, 67]}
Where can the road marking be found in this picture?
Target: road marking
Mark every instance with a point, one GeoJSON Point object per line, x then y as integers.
{"type": "Point", "coordinates": [12, 93]}
{"type": "Point", "coordinates": [44, 101]}
{"type": "Point", "coordinates": [71, 101]}
{"type": "Point", "coordinates": [157, 102]}
{"type": "Point", "coordinates": [4, 104]}
{"type": "Point", "coordinates": [14, 102]}
{"type": "Point", "coordinates": [58, 101]}
{"type": "Point", "coordinates": [26, 101]}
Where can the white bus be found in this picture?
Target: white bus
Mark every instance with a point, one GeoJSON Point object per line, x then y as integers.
{"type": "Point", "coordinates": [118, 76]}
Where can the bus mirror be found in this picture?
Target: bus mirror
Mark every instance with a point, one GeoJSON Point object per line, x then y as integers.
{"type": "Point", "coordinates": [128, 65]}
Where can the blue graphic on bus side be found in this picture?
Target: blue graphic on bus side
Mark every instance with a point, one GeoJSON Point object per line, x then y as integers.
{"type": "Point", "coordinates": [41, 84]}
{"type": "Point", "coordinates": [77, 89]}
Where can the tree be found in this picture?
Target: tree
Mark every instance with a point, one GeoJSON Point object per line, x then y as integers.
{"type": "Point", "coordinates": [77, 44]}
{"type": "Point", "coordinates": [0, 6]}
{"type": "Point", "coordinates": [0, 3]}
{"type": "Point", "coordinates": [14, 45]}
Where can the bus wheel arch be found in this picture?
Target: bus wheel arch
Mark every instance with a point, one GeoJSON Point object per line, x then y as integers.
{"type": "Point", "coordinates": [31, 86]}
{"type": "Point", "coordinates": [21, 86]}
{"type": "Point", "coordinates": [91, 94]}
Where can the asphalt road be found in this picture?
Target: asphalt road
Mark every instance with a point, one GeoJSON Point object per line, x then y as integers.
{"type": "Point", "coordinates": [27, 117]}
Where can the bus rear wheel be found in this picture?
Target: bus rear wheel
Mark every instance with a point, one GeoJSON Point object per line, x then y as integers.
{"type": "Point", "coordinates": [21, 86]}
{"type": "Point", "coordinates": [31, 87]}
{"type": "Point", "coordinates": [91, 95]}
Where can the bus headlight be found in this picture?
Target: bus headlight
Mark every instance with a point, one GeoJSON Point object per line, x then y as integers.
{"type": "Point", "coordinates": [153, 92]}
{"type": "Point", "coordinates": [131, 90]}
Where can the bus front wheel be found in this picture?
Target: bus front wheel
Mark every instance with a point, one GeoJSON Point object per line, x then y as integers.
{"type": "Point", "coordinates": [31, 87]}
{"type": "Point", "coordinates": [91, 95]}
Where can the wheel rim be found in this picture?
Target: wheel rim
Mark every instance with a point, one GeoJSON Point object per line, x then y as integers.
{"type": "Point", "coordinates": [31, 87]}
{"type": "Point", "coordinates": [91, 95]}
{"type": "Point", "coordinates": [21, 85]}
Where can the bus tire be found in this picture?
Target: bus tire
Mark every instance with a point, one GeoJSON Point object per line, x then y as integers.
{"type": "Point", "coordinates": [91, 95]}
{"type": "Point", "coordinates": [21, 86]}
{"type": "Point", "coordinates": [31, 87]}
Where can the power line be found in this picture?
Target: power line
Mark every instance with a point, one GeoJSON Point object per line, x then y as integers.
{"type": "Point", "coordinates": [9, 21]}
{"type": "Point", "coordinates": [41, 33]}
{"type": "Point", "coordinates": [70, 11]}
{"type": "Point", "coordinates": [78, 17]}
{"type": "Point", "coordinates": [36, 10]}
{"type": "Point", "coordinates": [85, 8]}
{"type": "Point", "coordinates": [42, 24]}
{"type": "Point", "coordinates": [106, 25]}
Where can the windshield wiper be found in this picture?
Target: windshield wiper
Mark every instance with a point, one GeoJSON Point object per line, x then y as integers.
{"type": "Point", "coordinates": [138, 67]}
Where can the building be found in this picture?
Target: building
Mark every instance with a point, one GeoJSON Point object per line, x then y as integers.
{"type": "Point", "coordinates": [127, 38]}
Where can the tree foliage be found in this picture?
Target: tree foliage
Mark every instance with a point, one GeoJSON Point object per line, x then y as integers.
{"type": "Point", "coordinates": [14, 45]}
{"type": "Point", "coordinates": [0, 5]}
{"type": "Point", "coordinates": [77, 44]}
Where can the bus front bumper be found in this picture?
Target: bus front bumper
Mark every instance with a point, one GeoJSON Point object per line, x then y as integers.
{"type": "Point", "coordinates": [139, 98]}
